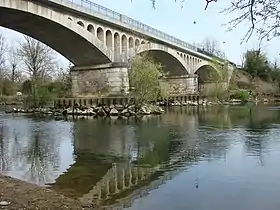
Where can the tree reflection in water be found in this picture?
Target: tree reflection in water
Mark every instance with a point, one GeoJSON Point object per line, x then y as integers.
{"type": "Point", "coordinates": [41, 154]}
{"type": "Point", "coordinates": [3, 150]}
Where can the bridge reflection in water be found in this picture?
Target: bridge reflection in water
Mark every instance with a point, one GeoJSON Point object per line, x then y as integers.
{"type": "Point", "coordinates": [116, 164]}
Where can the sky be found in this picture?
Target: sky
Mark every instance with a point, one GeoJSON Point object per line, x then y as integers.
{"type": "Point", "coordinates": [170, 18]}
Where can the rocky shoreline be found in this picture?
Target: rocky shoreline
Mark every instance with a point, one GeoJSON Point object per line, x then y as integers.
{"type": "Point", "coordinates": [95, 111]}
{"type": "Point", "coordinates": [122, 111]}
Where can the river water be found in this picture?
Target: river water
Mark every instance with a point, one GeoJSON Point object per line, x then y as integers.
{"type": "Point", "coordinates": [188, 158]}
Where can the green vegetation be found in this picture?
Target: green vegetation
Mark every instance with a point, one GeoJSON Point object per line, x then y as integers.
{"type": "Point", "coordinates": [240, 94]}
{"type": "Point", "coordinates": [144, 80]}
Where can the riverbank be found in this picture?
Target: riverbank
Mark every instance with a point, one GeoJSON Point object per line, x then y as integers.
{"type": "Point", "coordinates": [17, 194]}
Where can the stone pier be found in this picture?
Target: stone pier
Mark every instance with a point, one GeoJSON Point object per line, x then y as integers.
{"type": "Point", "coordinates": [106, 79]}
{"type": "Point", "coordinates": [181, 85]}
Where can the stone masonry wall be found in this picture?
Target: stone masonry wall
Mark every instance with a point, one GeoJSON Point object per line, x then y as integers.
{"type": "Point", "coordinates": [180, 85]}
{"type": "Point", "coordinates": [98, 82]}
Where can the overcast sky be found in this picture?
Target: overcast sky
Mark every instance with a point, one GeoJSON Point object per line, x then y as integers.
{"type": "Point", "coordinates": [170, 18]}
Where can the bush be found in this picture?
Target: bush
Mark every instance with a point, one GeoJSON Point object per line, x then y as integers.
{"type": "Point", "coordinates": [243, 95]}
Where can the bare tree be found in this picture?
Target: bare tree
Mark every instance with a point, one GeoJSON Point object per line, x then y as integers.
{"type": "Point", "coordinates": [13, 63]}
{"type": "Point", "coordinates": [39, 62]}
{"type": "Point", "coordinates": [212, 46]}
{"type": "Point", "coordinates": [3, 49]}
{"type": "Point", "coordinates": [263, 16]}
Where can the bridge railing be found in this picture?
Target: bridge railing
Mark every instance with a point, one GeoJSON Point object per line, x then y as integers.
{"type": "Point", "coordinates": [140, 26]}
{"type": "Point", "coordinates": [132, 23]}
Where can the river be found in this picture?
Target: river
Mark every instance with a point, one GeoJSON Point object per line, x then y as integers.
{"type": "Point", "coordinates": [188, 158]}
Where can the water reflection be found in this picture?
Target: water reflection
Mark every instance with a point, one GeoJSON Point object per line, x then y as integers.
{"type": "Point", "coordinates": [114, 162]}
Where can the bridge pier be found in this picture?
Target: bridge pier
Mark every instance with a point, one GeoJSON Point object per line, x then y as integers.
{"type": "Point", "coordinates": [106, 79]}
{"type": "Point", "coordinates": [185, 84]}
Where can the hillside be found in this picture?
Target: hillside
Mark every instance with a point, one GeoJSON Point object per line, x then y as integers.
{"type": "Point", "coordinates": [243, 80]}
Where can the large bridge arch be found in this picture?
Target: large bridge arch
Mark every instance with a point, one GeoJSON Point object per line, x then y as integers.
{"type": "Point", "coordinates": [55, 29]}
{"type": "Point", "coordinates": [171, 61]}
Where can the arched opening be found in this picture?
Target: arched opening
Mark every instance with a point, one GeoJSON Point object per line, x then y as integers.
{"type": "Point", "coordinates": [109, 39]}
{"type": "Point", "coordinates": [130, 42]}
{"type": "Point", "coordinates": [184, 56]}
{"type": "Point", "coordinates": [193, 65]}
{"type": "Point", "coordinates": [100, 34]}
{"type": "Point", "coordinates": [171, 63]}
{"type": "Point", "coordinates": [69, 18]}
{"type": "Point", "coordinates": [80, 23]}
{"type": "Point", "coordinates": [90, 28]}
{"type": "Point", "coordinates": [124, 44]}
{"type": "Point", "coordinates": [208, 79]}
{"type": "Point", "coordinates": [137, 42]}
{"type": "Point", "coordinates": [142, 42]}
{"type": "Point", "coordinates": [117, 44]}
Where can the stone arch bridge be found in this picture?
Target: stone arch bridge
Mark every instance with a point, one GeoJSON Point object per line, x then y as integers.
{"type": "Point", "coordinates": [100, 42]}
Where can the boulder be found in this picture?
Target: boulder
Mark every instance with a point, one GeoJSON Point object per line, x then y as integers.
{"type": "Point", "coordinates": [106, 110]}
{"type": "Point", "coordinates": [125, 113]}
{"type": "Point", "coordinates": [131, 108]}
{"type": "Point", "coordinates": [156, 110]}
{"type": "Point", "coordinates": [100, 112]}
{"type": "Point", "coordinates": [119, 107]}
{"type": "Point", "coordinates": [91, 112]}
{"type": "Point", "coordinates": [131, 112]}
{"type": "Point", "coordinates": [145, 110]}
{"type": "Point", "coordinates": [114, 112]}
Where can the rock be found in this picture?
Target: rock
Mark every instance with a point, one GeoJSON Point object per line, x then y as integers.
{"type": "Point", "coordinates": [125, 113]}
{"type": "Point", "coordinates": [235, 101]}
{"type": "Point", "coordinates": [91, 112]}
{"type": "Point", "coordinates": [9, 111]}
{"type": "Point", "coordinates": [100, 112]}
{"type": "Point", "coordinates": [176, 103]}
{"type": "Point", "coordinates": [156, 110]}
{"type": "Point", "coordinates": [193, 103]}
{"type": "Point", "coordinates": [145, 110]}
{"type": "Point", "coordinates": [114, 112]}
{"type": "Point", "coordinates": [119, 107]}
{"type": "Point", "coordinates": [4, 203]}
{"type": "Point", "coordinates": [184, 103]}
{"type": "Point", "coordinates": [131, 108]}
{"type": "Point", "coordinates": [106, 110]}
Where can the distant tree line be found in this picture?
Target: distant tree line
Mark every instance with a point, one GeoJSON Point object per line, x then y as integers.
{"type": "Point", "coordinates": [257, 64]}
{"type": "Point", "coordinates": [31, 67]}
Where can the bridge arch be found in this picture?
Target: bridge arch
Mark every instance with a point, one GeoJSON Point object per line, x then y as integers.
{"type": "Point", "coordinates": [56, 30]}
{"type": "Point", "coordinates": [173, 63]}
{"type": "Point", "coordinates": [207, 71]}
